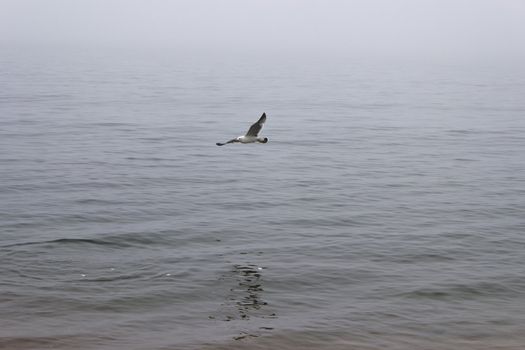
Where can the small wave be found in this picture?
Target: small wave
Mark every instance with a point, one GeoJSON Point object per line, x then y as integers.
{"type": "Point", "coordinates": [465, 160]}
{"type": "Point", "coordinates": [65, 241]}
{"type": "Point", "coordinates": [120, 240]}
{"type": "Point", "coordinates": [462, 291]}
{"type": "Point", "coordinates": [460, 131]}
{"type": "Point", "coordinates": [143, 238]}
{"type": "Point", "coordinates": [111, 124]}
{"type": "Point", "coordinates": [40, 342]}
{"type": "Point", "coordinates": [116, 278]}
{"type": "Point", "coordinates": [155, 159]}
{"type": "Point", "coordinates": [153, 139]}
{"type": "Point", "coordinates": [96, 201]}
{"type": "Point", "coordinates": [422, 257]}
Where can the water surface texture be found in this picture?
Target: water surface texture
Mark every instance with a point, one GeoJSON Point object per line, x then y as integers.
{"type": "Point", "coordinates": [387, 210]}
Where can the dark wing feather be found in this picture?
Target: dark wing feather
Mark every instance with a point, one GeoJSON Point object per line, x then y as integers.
{"type": "Point", "coordinates": [225, 143]}
{"type": "Point", "coordinates": [257, 126]}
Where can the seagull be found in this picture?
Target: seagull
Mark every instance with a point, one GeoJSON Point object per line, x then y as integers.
{"type": "Point", "coordinates": [251, 135]}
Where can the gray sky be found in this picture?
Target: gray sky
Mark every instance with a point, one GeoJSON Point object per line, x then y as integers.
{"type": "Point", "coordinates": [428, 27]}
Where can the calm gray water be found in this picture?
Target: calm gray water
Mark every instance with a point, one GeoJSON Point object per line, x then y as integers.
{"type": "Point", "coordinates": [387, 211]}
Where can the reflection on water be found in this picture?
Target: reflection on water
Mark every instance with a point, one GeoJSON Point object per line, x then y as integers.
{"type": "Point", "coordinates": [249, 286]}
{"type": "Point", "coordinates": [245, 303]}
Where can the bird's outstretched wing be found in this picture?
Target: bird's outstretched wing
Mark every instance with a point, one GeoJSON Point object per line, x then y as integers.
{"type": "Point", "coordinates": [257, 126]}
{"type": "Point", "coordinates": [225, 143]}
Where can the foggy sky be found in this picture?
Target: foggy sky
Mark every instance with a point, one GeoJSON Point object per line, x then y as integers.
{"type": "Point", "coordinates": [433, 27]}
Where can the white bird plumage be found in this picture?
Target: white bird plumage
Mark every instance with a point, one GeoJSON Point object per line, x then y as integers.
{"type": "Point", "coordinates": [251, 135]}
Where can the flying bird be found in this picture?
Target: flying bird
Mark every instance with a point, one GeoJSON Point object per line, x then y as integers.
{"type": "Point", "coordinates": [251, 135]}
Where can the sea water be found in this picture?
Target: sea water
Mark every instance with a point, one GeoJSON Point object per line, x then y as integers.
{"type": "Point", "coordinates": [387, 210]}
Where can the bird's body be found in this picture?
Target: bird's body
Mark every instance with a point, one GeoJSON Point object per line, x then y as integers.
{"type": "Point", "coordinates": [248, 139]}
{"type": "Point", "coordinates": [251, 135]}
